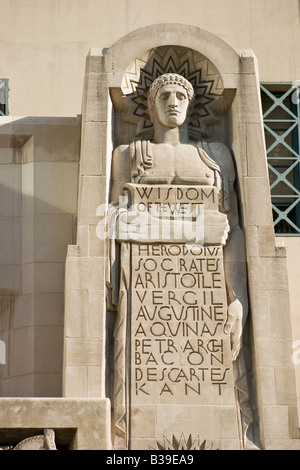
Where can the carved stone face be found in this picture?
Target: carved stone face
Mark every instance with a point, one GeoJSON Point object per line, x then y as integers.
{"type": "Point", "coordinates": [171, 105]}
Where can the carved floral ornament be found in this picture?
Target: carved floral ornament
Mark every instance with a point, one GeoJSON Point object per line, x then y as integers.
{"type": "Point", "coordinates": [183, 443]}
{"type": "Point", "coordinates": [197, 69]}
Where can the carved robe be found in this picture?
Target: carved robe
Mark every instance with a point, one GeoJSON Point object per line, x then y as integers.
{"type": "Point", "coordinates": [140, 160]}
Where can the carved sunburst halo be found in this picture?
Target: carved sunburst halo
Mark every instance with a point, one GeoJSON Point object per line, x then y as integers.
{"type": "Point", "coordinates": [200, 72]}
{"type": "Point", "coordinates": [183, 443]}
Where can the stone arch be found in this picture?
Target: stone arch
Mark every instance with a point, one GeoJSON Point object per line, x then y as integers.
{"type": "Point", "coordinates": [135, 43]}
{"type": "Point", "coordinates": [125, 59]}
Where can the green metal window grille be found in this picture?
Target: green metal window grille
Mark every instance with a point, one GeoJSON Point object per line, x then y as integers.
{"type": "Point", "coordinates": [280, 107]}
{"type": "Point", "coordinates": [3, 97]}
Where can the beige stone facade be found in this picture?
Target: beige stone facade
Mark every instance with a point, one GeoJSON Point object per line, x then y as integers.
{"type": "Point", "coordinates": [38, 221]}
{"type": "Point", "coordinates": [56, 173]}
{"type": "Point", "coordinates": [49, 52]}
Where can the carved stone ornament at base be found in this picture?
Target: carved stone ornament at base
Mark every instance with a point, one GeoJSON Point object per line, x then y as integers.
{"type": "Point", "coordinates": [183, 443]}
{"type": "Point", "coordinates": [44, 441]}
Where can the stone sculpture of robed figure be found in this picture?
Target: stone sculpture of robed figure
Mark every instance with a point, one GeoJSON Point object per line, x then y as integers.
{"type": "Point", "coordinates": [171, 158]}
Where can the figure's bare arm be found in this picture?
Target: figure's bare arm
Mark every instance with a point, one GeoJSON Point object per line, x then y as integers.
{"type": "Point", "coordinates": [234, 251]}
{"type": "Point", "coordinates": [234, 255]}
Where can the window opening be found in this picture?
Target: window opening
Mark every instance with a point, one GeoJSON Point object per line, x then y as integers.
{"type": "Point", "coordinates": [280, 107]}
{"type": "Point", "coordinates": [3, 97]}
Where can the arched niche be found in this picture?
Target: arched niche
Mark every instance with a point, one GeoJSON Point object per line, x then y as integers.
{"type": "Point", "coordinates": [211, 103]}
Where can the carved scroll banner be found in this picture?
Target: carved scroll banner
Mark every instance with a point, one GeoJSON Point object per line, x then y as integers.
{"type": "Point", "coordinates": [181, 377]}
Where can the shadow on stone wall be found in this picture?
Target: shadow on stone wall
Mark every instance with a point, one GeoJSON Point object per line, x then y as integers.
{"type": "Point", "coordinates": [38, 204]}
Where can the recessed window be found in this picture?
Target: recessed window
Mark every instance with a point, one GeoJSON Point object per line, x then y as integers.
{"type": "Point", "coordinates": [3, 97]}
{"type": "Point", "coordinates": [280, 107]}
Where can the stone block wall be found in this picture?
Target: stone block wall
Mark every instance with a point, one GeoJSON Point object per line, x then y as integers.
{"type": "Point", "coordinates": [38, 192]}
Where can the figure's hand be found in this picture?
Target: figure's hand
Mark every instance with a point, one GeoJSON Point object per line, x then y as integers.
{"type": "Point", "coordinates": [136, 226]}
{"type": "Point", "coordinates": [133, 226]}
{"type": "Point", "coordinates": [234, 326]}
{"type": "Point", "coordinates": [216, 227]}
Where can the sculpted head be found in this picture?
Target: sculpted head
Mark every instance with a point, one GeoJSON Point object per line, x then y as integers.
{"type": "Point", "coordinates": [169, 98]}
